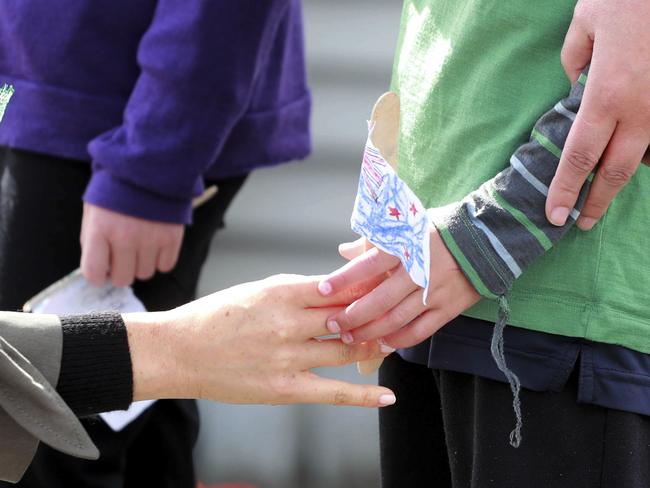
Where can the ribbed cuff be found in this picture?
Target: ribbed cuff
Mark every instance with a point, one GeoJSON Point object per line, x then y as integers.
{"type": "Point", "coordinates": [96, 373]}
{"type": "Point", "coordinates": [471, 251]}
{"type": "Point", "coordinates": [107, 191]}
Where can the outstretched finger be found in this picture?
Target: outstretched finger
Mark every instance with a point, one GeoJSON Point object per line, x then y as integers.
{"type": "Point", "coordinates": [312, 297]}
{"type": "Point", "coordinates": [418, 330]}
{"type": "Point", "coordinates": [370, 264]}
{"type": "Point", "coordinates": [146, 262]}
{"type": "Point", "coordinates": [315, 389]}
{"type": "Point", "coordinates": [350, 250]}
{"type": "Point", "coordinates": [95, 259]}
{"type": "Point", "coordinates": [168, 257]}
{"type": "Point", "coordinates": [619, 162]}
{"type": "Point", "coordinates": [385, 297]}
{"type": "Point", "coordinates": [587, 140]}
{"type": "Point", "coordinates": [123, 262]}
{"type": "Point", "coordinates": [404, 313]}
{"type": "Point", "coordinates": [332, 352]}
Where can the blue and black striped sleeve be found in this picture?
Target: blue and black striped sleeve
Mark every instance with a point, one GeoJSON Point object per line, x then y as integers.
{"type": "Point", "coordinates": [497, 231]}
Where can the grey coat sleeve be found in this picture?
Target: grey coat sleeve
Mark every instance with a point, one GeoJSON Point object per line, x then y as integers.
{"type": "Point", "coordinates": [30, 408]}
{"type": "Point", "coordinates": [500, 229]}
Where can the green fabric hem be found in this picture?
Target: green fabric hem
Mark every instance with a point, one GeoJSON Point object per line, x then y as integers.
{"type": "Point", "coordinates": [557, 315]}
{"type": "Point", "coordinates": [462, 261]}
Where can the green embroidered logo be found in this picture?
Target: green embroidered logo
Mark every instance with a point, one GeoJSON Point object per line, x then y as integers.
{"type": "Point", "coordinates": [6, 92]}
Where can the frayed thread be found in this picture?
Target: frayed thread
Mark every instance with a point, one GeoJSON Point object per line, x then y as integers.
{"type": "Point", "coordinates": [498, 353]}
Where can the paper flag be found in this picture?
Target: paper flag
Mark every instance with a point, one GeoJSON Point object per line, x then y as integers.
{"type": "Point", "coordinates": [391, 216]}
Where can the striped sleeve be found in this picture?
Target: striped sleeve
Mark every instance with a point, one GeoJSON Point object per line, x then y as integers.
{"type": "Point", "coordinates": [498, 230]}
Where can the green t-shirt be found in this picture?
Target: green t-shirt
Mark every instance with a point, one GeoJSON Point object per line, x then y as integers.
{"type": "Point", "coordinates": [473, 77]}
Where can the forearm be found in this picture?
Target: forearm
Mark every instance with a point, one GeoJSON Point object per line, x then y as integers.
{"type": "Point", "coordinates": [500, 229]}
{"type": "Point", "coordinates": [111, 360]}
{"type": "Point", "coordinates": [155, 342]}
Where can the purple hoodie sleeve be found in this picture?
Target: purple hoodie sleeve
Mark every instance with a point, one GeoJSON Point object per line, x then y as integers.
{"type": "Point", "coordinates": [199, 62]}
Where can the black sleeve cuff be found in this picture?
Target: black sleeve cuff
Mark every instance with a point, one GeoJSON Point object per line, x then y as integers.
{"type": "Point", "coordinates": [96, 373]}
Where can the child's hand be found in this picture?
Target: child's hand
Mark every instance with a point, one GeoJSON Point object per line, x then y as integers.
{"type": "Point", "coordinates": [394, 310]}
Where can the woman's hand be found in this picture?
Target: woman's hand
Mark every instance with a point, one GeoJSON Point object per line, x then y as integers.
{"type": "Point", "coordinates": [393, 311]}
{"type": "Point", "coordinates": [253, 343]}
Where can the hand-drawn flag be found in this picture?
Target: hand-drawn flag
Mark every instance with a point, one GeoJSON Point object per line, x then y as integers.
{"type": "Point", "coordinates": [391, 216]}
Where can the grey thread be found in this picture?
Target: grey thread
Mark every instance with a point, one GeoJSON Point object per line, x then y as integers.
{"type": "Point", "coordinates": [498, 353]}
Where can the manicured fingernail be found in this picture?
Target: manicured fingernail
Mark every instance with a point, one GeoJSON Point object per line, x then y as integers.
{"type": "Point", "coordinates": [586, 223]}
{"type": "Point", "coordinates": [386, 349]}
{"type": "Point", "coordinates": [559, 215]}
{"type": "Point", "coordinates": [324, 287]}
{"type": "Point", "coordinates": [345, 246]}
{"type": "Point", "coordinates": [387, 399]}
{"type": "Point", "coordinates": [333, 326]}
{"type": "Point", "coordinates": [347, 338]}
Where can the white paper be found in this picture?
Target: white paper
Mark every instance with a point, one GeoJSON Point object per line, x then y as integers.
{"type": "Point", "coordinates": [391, 216]}
{"type": "Point", "coordinates": [74, 295]}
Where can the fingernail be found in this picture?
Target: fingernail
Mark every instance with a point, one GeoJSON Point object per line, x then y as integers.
{"type": "Point", "coordinates": [559, 215]}
{"type": "Point", "coordinates": [586, 223]}
{"type": "Point", "coordinates": [345, 245]}
{"type": "Point", "coordinates": [386, 349]}
{"type": "Point", "coordinates": [387, 399]}
{"type": "Point", "coordinates": [324, 287]}
{"type": "Point", "coordinates": [347, 338]}
{"type": "Point", "coordinates": [333, 326]}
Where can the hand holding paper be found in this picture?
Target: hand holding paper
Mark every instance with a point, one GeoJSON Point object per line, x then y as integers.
{"type": "Point", "coordinates": [123, 248]}
{"type": "Point", "coordinates": [423, 287]}
{"type": "Point", "coordinates": [394, 311]}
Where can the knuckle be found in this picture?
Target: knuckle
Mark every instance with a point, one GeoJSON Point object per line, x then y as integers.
{"type": "Point", "coordinates": [367, 398]}
{"type": "Point", "coordinates": [580, 14]}
{"type": "Point", "coordinates": [566, 58]}
{"type": "Point", "coordinates": [373, 258]}
{"type": "Point", "coordinates": [580, 162]}
{"type": "Point", "coordinates": [282, 387]}
{"type": "Point", "coordinates": [283, 359]}
{"type": "Point", "coordinates": [341, 397]}
{"type": "Point", "coordinates": [345, 354]}
{"type": "Point", "coordinates": [595, 208]}
{"type": "Point", "coordinates": [121, 243]}
{"type": "Point", "coordinates": [610, 95]}
{"type": "Point", "coordinates": [397, 316]}
{"type": "Point", "coordinates": [145, 275]}
{"type": "Point", "coordinates": [169, 240]}
{"type": "Point", "coordinates": [355, 291]}
{"type": "Point", "coordinates": [282, 332]}
{"type": "Point", "coordinates": [418, 333]}
{"type": "Point", "coordinates": [616, 175]}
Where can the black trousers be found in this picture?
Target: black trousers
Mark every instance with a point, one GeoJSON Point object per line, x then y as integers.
{"type": "Point", "coordinates": [40, 219]}
{"type": "Point", "coordinates": [451, 429]}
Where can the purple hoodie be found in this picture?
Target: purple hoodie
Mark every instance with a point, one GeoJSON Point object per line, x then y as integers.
{"type": "Point", "coordinates": [158, 94]}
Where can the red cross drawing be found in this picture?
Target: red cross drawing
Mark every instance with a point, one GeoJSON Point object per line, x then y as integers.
{"type": "Point", "coordinates": [413, 209]}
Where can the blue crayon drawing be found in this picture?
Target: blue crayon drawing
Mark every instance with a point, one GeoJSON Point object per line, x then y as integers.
{"type": "Point", "coordinates": [390, 215]}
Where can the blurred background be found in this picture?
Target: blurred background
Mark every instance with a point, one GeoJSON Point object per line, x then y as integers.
{"type": "Point", "coordinates": [290, 219]}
